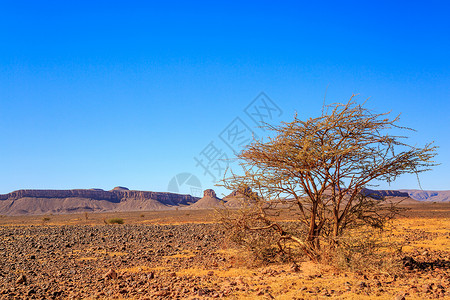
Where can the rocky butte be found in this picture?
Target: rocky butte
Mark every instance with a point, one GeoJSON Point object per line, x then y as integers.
{"type": "Point", "coordinates": [209, 200]}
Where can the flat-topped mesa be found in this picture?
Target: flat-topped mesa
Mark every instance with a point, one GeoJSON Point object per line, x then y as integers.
{"type": "Point", "coordinates": [378, 194]}
{"type": "Point", "coordinates": [95, 194]}
{"type": "Point", "coordinates": [209, 200]}
{"type": "Point", "coordinates": [117, 195]}
{"type": "Point", "coordinates": [165, 198]}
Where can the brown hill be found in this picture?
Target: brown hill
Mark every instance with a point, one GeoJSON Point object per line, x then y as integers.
{"type": "Point", "coordinates": [24, 202]}
{"type": "Point", "coordinates": [38, 206]}
{"type": "Point", "coordinates": [430, 196]}
{"type": "Point", "coordinates": [133, 204]}
{"type": "Point", "coordinates": [95, 200]}
{"type": "Point", "coordinates": [209, 200]}
{"type": "Point", "coordinates": [236, 199]}
{"type": "Point", "coordinates": [378, 194]}
{"type": "Point", "coordinates": [234, 202]}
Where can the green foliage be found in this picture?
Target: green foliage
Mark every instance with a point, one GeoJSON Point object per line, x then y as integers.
{"type": "Point", "coordinates": [115, 221]}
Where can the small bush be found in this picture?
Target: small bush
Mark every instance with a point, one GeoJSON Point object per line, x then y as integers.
{"type": "Point", "coordinates": [363, 251]}
{"type": "Point", "coordinates": [45, 220]}
{"type": "Point", "coordinates": [263, 246]}
{"type": "Point", "coordinates": [115, 221]}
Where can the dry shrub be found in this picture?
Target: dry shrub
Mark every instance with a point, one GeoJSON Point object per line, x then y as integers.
{"type": "Point", "coordinates": [115, 221]}
{"type": "Point", "coordinates": [362, 249]}
{"type": "Point", "coordinates": [253, 248]}
{"type": "Point", "coordinates": [259, 246]}
{"type": "Point", "coordinates": [45, 220]}
{"type": "Point", "coordinates": [365, 250]}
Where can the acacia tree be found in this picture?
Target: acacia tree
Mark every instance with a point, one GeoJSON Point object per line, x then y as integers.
{"type": "Point", "coordinates": [321, 166]}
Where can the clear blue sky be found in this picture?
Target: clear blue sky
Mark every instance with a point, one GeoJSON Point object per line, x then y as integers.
{"type": "Point", "coordinates": [129, 93]}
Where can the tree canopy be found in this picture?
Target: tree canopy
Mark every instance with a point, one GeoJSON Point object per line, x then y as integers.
{"type": "Point", "coordinates": [321, 166]}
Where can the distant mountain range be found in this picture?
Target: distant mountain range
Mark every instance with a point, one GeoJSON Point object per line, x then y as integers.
{"type": "Point", "coordinates": [431, 196]}
{"type": "Point", "coordinates": [24, 202]}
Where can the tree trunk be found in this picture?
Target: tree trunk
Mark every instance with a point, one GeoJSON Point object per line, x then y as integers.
{"type": "Point", "coordinates": [312, 224]}
{"type": "Point", "coordinates": [312, 239]}
{"type": "Point", "coordinates": [336, 223]}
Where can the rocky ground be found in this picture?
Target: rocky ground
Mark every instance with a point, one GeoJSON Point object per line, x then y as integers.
{"type": "Point", "coordinates": [73, 261]}
{"type": "Point", "coordinates": [190, 261]}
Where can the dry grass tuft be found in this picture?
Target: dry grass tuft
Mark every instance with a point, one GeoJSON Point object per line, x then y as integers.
{"type": "Point", "coordinates": [115, 221]}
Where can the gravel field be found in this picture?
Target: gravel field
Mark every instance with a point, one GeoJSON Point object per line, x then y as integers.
{"type": "Point", "coordinates": [191, 261]}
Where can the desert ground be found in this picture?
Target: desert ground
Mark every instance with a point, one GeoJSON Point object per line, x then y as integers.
{"type": "Point", "coordinates": [182, 254]}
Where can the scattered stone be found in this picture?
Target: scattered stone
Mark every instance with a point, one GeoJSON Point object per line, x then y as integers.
{"type": "Point", "coordinates": [31, 291]}
{"type": "Point", "coordinates": [151, 275]}
{"type": "Point", "coordinates": [362, 284]}
{"type": "Point", "coordinates": [162, 293]}
{"type": "Point", "coordinates": [111, 274]}
{"type": "Point", "coordinates": [426, 287]}
{"type": "Point", "coordinates": [135, 250]}
{"type": "Point", "coordinates": [295, 268]}
{"type": "Point", "coordinates": [21, 280]}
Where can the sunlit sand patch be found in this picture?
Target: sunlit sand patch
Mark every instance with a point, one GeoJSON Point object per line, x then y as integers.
{"type": "Point", "coordinates": [285, 284]}
{"type": "Point", "coordinates": [183, 254]}
{"type": "Point", "coordinates": [137, 269]}
{"type": "Point", "coordinates": [113, 253]}
{"type": "Point", "coordinates": [94, 251]}
{"type": "Point", "coordinates": [231, 272]}
{"type": "Point", "coordinates": [439, 226]}
{"type": "Point", "coordinates": [166, 222]}
{"type": "Point", "coordinates": [439, 243]}
{"type": "Point", "coordinates": [86, 258]}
